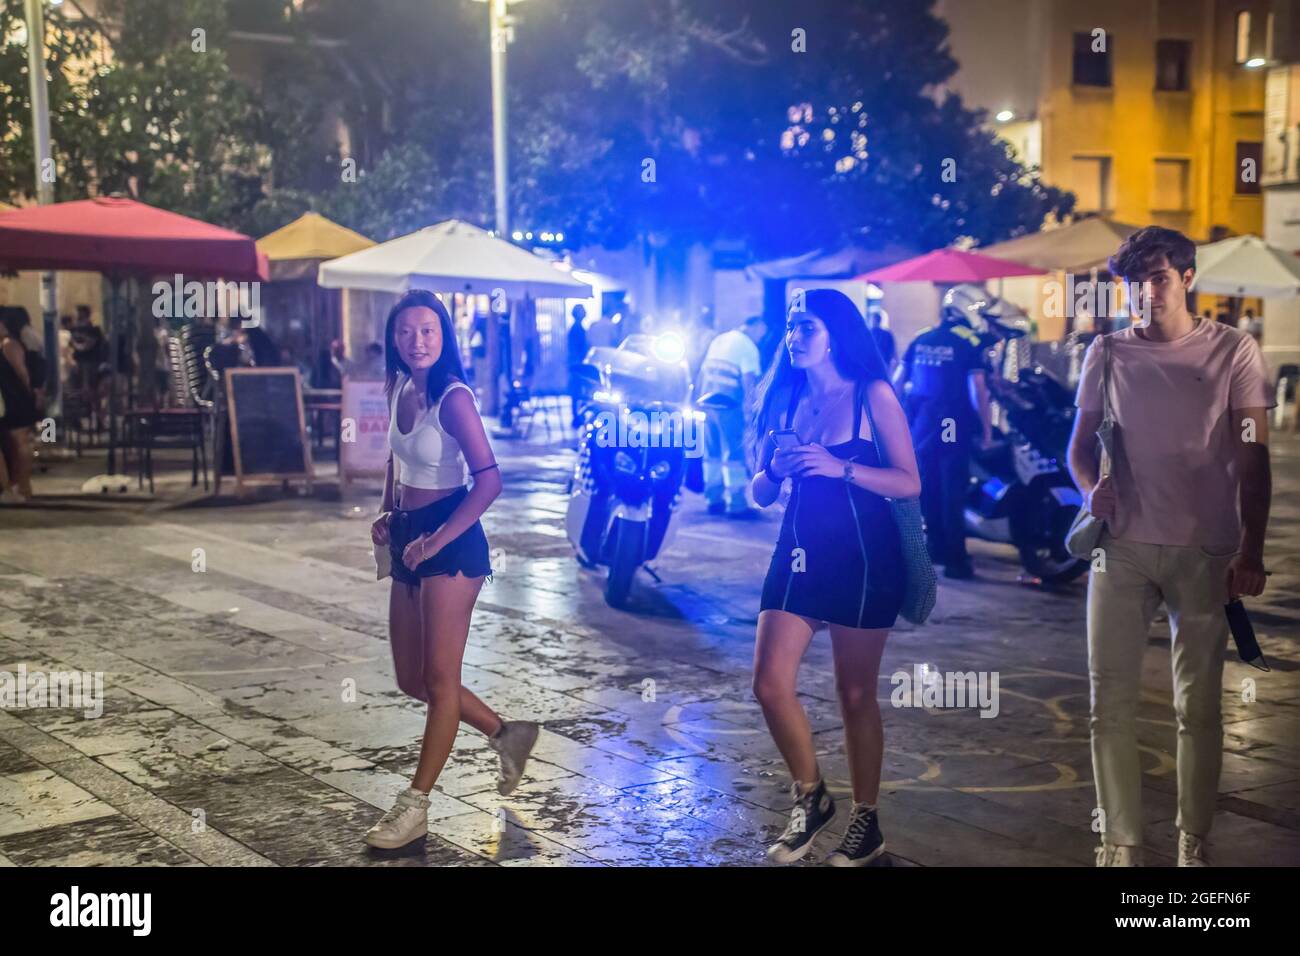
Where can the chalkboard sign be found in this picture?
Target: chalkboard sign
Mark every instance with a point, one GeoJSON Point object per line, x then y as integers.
{"type": "Point", "coordinates": [268, 429]}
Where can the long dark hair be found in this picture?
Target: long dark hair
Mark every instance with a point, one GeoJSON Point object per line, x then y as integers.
{"type": "Point", "coordinates": [853, 351]}
{"type": "Point", "coordinates": [448, 365]}
{"type": "Point", "coordinates": [14, 318]}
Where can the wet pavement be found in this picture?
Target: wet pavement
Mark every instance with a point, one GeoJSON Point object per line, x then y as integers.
{"type": "Point", "coordinates": [250, 715]}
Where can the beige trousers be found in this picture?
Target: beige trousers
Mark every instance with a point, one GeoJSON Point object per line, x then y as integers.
{"type": "Point", "coordinates": [1121, 603]}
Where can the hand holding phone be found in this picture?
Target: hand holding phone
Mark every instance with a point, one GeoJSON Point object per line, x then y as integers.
{"type": "Point", "coordinates": [784, 441]}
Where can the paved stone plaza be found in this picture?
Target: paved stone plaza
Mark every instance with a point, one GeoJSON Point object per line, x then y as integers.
{"type": "Point", "coordinates": [229, 734]}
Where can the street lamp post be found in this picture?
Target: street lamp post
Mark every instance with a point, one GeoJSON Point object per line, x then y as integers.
{"type": "Point", "coordinates": [500, 33]}
{"type": "Point", "coordinates": [500, 27]}
{"type": "Point", "coordinates": [35, 16]}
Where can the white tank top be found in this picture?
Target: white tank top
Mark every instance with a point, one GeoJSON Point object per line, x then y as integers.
{"type": "Point", "coordinates": [426, 457]}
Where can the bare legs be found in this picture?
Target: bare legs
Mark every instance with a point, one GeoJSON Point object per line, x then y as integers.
{"type": "Point", "coordinates": [4, 465]}
{"type": "Point", "coordinates": [857, 653]}
{"type": "Point", "coordinates": [782, 639]}
{"type": "Point", "coordinates": [16, 447]}
{"type": "Point", "coordinates": [428, 629]}
{"type": "Point", "coordinates": [779, 649]}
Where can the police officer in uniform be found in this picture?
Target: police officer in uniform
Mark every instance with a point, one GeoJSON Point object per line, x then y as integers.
{"type": "Point", "coordinates": [946, 399]}
{"type": "Point", "coordinates": [728, 374]}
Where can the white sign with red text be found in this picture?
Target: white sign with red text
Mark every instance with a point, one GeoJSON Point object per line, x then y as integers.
{"type": "Point", "coordinates": [363, 445]}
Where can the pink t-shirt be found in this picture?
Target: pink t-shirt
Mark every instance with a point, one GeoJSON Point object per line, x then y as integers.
{"type": "Point", "coordinates": [1175, 471]}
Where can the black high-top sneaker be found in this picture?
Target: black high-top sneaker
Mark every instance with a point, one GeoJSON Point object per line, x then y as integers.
{"type": "Point", "coordinates": [862, 841]}
{"type": "Point", "coordinates": [812, 811]}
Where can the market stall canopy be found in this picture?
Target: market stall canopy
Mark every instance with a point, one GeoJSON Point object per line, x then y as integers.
{"type": "Point", "coordinates": [1246, 265]}
{"type": "Point", "coordinates": [950, 265]}
{"type": "Point", "coordinates": [1079, 247]}
{"type": "Point", "coordinates": [599, 281]}
{"type": "Point", "coordinates": [453, 256]}
{"type": "Point", "coordinates": [296, 250]}
{"type": "Point", "coordinates": [820, 264]}
{"type": "Point", "coordinates": [121, 237]}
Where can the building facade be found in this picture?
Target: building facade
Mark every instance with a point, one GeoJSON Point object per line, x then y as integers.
{"type": "Point", "coordinates": [1280, 182]}
{"type": "Point", "coordinates": [1149, 111]}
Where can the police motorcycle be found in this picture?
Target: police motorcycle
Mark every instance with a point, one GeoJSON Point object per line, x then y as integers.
{"type": "Point", "coordinates": [1021, 492]}
{"type": "Point", "coordinates": [639, 431]}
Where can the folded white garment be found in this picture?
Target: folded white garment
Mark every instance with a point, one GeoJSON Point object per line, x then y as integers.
{"type": "Point", "coordinates": [383, 562]}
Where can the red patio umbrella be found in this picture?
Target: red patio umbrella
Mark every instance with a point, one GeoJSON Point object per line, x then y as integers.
{"type": "Point", "coordinates": [121, 237]}
{"type": "Point", "coordinates": [950, 266]}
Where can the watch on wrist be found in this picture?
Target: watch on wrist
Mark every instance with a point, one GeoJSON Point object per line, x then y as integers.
{"type": "Point", "coordinates": [848, 471]}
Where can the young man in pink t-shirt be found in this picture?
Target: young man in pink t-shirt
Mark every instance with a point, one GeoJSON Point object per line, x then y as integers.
{"type": "Point", "coordinates": [1186, 507]}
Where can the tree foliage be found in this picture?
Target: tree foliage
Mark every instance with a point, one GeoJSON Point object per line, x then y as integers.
{"type": "Point", "coordinates": [143, 103]}
{"type": "Point", "coordinates": [781, 126]}
{"type": "Point", "coordinates": [784, 125]}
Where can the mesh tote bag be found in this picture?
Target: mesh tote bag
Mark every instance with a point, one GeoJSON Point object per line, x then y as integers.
{"type": "Point", "coordinates": [921, 585]}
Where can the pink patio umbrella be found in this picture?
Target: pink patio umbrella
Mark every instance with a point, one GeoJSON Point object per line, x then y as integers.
{"type": "Point", "coordinates": [949, 266]}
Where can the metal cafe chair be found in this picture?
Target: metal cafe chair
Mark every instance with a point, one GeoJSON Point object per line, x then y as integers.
{"type": "Point", "coordinates": [183, 422]}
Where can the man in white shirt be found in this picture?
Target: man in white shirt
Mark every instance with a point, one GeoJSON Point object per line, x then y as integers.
{"type": "Point", "coordinates": [1251, 324]}
{"type": "Point", "coordinates": [728, 374]}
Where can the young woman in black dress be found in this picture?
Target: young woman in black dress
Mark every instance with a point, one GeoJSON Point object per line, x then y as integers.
{"type": "Point", "coordinates": [838, 559]}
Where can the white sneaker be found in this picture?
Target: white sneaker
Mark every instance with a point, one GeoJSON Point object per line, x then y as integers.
{"type": "Point", "coordinates": [406, 822]}
{"type": "Point", "coordinates": [1191, 850]}
{"type": "Point", "coordinates": [1108, 855]}
{"type": "Point", "coordinates": [513, 743]}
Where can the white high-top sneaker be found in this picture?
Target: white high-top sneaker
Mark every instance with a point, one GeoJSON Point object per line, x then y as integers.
{"type": "Point", "coordinates": [406, 822]}
{"type": "Point", "coordinates": [1108, 855]}
{"type": "Point", "coordinates": [1191, 850]}
{"type": "Point", "coordinates": [513, 743]}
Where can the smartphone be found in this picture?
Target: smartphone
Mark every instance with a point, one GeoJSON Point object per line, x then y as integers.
{"type": "Point", "coordinates": [785, 439]}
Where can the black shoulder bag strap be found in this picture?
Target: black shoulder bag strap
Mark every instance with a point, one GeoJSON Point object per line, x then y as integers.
{"type": "Point", "coordinates": [876, 443]}
{"type": "Point", "coordinates": [794, 401]}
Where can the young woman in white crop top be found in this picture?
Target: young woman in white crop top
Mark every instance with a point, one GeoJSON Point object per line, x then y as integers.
{"type": "Point", "coordinates": [430, 523]}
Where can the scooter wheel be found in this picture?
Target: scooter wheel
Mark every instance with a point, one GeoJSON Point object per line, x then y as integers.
{"type": "Point", "coordinates": [625, 558]}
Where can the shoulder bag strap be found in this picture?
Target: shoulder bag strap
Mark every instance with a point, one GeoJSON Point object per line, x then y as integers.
{"type": "Point", "coordinates": [1107, 411]}
{"type": "Point", "coordinates": [876, 443]}
{"type": "Point", "coordinates": [794, 400]}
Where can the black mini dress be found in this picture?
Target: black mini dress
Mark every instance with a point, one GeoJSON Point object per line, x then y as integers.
{"type": "Point", "coordinates": [839, 557]}
{"type": "Point", "coordinates": [19, 402]}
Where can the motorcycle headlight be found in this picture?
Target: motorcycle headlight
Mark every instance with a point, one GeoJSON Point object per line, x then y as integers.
{"type": "Point", "coordinates": [660, 470]}
{"type": "Point", "coordinates": [624, 463]}
{"type": "Point", "coordinates": [669, 348]}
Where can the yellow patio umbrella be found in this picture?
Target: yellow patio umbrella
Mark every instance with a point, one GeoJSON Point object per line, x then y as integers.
{"type": "Point", "coordinates": [300, 315]}
{"type": "Point", "coordinates": [296, 250]}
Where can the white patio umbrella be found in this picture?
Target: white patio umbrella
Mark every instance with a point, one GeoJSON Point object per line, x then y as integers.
{"type": "Point", "coordinates": [1246, 265]}
{"type": "Point", "coordinates": [453, 256]}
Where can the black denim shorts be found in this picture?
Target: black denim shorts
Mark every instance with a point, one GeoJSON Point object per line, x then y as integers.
{"type": "Point", "coordinates": [466, 554]}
